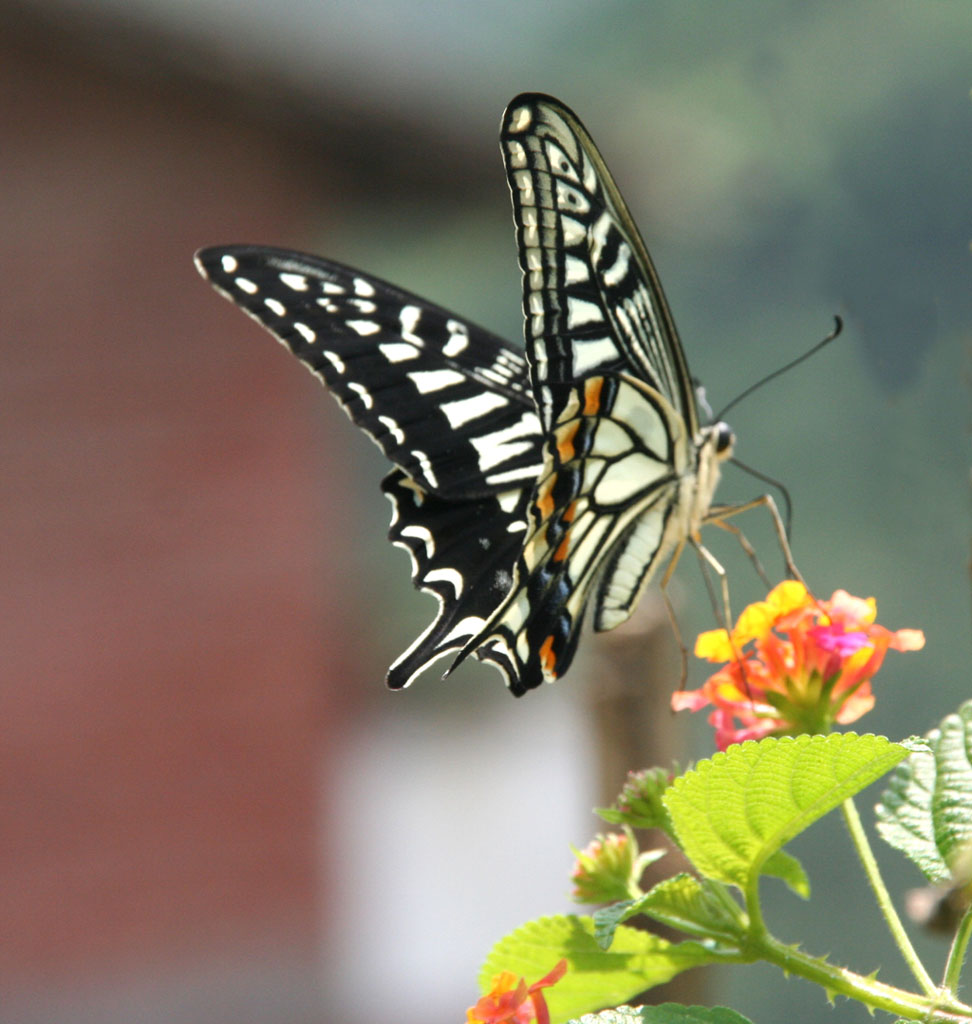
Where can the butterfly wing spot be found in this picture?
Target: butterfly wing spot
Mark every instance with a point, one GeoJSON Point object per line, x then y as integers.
{"type": "Point", "coordinates": [429, 381]}
{"type": "Point", "coordinates": [363, 394]}
{"type": "Point", "coordinates": [520, 119]}
{"type": "Point", "coordinates": [424, 464]}
{"type": "Point", "coordinates": [246, 285]}
{"type": "Point", "coordinates": [571, 199]}
{"type": "Point", "coordinates": [543, 502]}
{"type": "Point", "coordinates": [575, 271]}
{"type": "Point", "coordinates": [305, 332]}
{"type": "Point", "coordinates": [458, 339]}
{"type": "Point", "coordinates": [524, 182]}
{"type": "Point", "coordinates": [465, 410]}
{"type": "Point", "coordinates": [409, 319]}
{"type": "Point", "coordinates": [362, 286]}
{"type": "Point", "coordinates": [581, 312]}
{"type": "Point", "coordinates": [448, 576]}
{"type": "Point", "coordinates": [398, 351]}
{"type": "Point", "coordinates": [420, 533]}
{"type": "Point", "coordinates": [228, 263]}
{"type": "Point", "coordinates": [531, 234]}
{"type": "Point", "coordinates": [335, 360]}
{"type": "Point", "coordinates": [618, 271]}
{"type": "Point", "coordinates": [517, 154]}
{"type": "Point", "coordinates": [394, 429]}
{"type": "Point", "coordinates": [565, 441]}
{"type": "Point", "coordinates": [593, 387]}
{"type": "Point", "coordinates": [364, 328]}
{"type": "Point", "coordinates": [548, 660]}
{"type": "Point", "coordinates": [560, 554]}
{"type": "Point", "coordinates": [574, 232]}
{"type": "Point", "coordinates": [500, 446]}
{"type": "Point", "coordinates": [295, 282]}
{"type": "Point", "coordinates": [558, 163]}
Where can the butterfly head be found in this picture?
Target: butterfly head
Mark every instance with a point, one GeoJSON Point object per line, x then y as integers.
{"type": "Point", "coordinates": [723, 440]}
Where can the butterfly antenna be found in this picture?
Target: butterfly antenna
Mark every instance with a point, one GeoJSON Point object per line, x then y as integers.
{"type": "Point", "coordinates": [838, 327]}
{"type": "Point", "coordinates": [784, 493]}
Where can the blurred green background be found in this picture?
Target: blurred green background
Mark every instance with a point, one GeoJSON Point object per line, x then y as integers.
{"type": "Point", "coordinates": [786, 162]}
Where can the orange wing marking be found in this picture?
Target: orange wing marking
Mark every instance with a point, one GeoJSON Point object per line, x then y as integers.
{"type": "Point", "coordinates": [565, 441]}
{"type": "Point", "coordinates": [592, 395]}
{"type": "Point", "coordinates": [545, 503]}
{"type": "Point", "coordinates": [561, 553]}
{"type": "Point", "coordinates": [548, 659]}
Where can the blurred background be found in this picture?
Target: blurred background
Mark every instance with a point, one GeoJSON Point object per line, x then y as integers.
{"type": "Point", "coordinates": [210, 807]}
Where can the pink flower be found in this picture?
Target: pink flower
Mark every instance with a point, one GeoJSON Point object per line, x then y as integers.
{"type": "Point", "coordinates": [795, 665]}
{"type": "Point", "coordinates": [512, 1001]}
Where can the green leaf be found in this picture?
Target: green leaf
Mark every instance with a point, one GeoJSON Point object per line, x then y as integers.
{"type": "Point", "coordinates": [607, 919]}
{"type": "Point", "coordinates": [692, 905]}
{"type": "Point", "coordinates": [665, 1013]}
{"type": "Point", "coordinates": [926, 811]}
{"type": "Point", "coordinates": [735, 810]}
{"type": "Point", "coordinates": [788, 869]}
{"type": "Point", "coordinates": [595, 978]}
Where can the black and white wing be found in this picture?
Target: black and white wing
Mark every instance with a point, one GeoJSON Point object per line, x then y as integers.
{"type": "Point", "coordinates": [617, 493]}
{"type": "Point", "coordinates": [591, 296]}
{"type": "Point", "coordinates": [446, 401]}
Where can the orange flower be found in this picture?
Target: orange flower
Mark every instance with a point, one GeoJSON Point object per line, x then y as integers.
{"type": "Point", "coordinates": [795, 665]}
{"type": "Point", "coordinates": [512, 1001]}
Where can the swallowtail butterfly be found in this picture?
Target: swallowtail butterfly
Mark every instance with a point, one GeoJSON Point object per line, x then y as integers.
{"type": "Point", "coordinates": [525, 488]}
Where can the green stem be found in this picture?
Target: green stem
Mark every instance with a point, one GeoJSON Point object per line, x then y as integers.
{"type": "Point", "coordinates": [956, 955]}
{"type": "Point", "coordinates": [863, 847]}
{"type": "Point", "coordinates": [938, 1006]}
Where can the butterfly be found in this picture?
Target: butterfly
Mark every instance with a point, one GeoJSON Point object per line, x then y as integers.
{"type": "Point", "coordinates": [527, 486]}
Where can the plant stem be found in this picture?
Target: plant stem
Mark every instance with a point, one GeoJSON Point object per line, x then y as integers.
{"type": "Point", "coordinates": [937, 1006]}
{"type": "Point", "coordinates": [900, 936]}
{"type": "Point", "coordinates": [956, 955]}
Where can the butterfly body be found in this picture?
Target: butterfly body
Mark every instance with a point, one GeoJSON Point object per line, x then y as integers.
{"type": "Point", "coordinates": [525, 488]}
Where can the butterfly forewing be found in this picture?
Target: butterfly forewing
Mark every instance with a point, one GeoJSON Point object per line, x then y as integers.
{"type": "Point", "coordinates": [591, 296]}
{"type": "Point", "coordinates": [445, 400]}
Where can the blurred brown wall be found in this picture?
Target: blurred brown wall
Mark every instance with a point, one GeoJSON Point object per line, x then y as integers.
{"type": "Point", "coordinates": [171, 665]}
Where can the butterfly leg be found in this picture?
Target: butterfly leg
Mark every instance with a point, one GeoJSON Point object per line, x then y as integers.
{"type": "Point", "coordinates": [718, 514]}
{"type": "Point", "coordinates": [709, 561]}
{"type": "Point", "coordinates": [677, 633]}
{"type": "Point", "coordinates": [744, 543]}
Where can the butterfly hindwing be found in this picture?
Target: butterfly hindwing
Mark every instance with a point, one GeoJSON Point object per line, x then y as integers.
{"type": "Point", "coordinates": [604, 514]}
{"type": "Point", "coordinates": [463, 553]}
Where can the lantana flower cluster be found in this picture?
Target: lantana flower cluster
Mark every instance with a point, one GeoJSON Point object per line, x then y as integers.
{"type": "Point", "coordinates": [794, 664]}
{"type": "Point", "coordinates": [511, 1000]}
